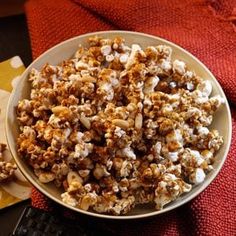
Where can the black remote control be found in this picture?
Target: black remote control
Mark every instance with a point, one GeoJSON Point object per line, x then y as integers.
{"type": "Point", "coordinates": [36, 222]}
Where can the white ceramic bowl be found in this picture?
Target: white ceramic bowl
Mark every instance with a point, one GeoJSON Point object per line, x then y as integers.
{"type": "Point", "coordinates": [65, 50]}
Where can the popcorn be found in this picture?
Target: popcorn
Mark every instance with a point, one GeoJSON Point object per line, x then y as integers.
{"type": "Point", "coordinates": [203, 131]}
{"type": "Point", "coordinates": [179, 66]}
{"type": "Point", "coordinates": [197, 176]}
{"type": "Point", "coordinates": [119, 132]}
{"type": "Point", "coordinates": [128, 152]}
{"type": "Point", "coordinates": [123, 58]}
{"type": "Point", "coordinates": [109, 58]}
{"type": "Point", "coordinates": [166, 65]}
{"type": "Point", "coordinates": [205, 87]}
{"type": "Point", "coordinates": [82, 150]}
{"type": "Point", "coordinates": [106, 50]}
{"type": "Point", "coordinates": [150, 84]}
{"type": "Point", "coordinates": [118, 126]}
{"type": "Point", "coordinates": [135, 49]}
{"type": "Point", "coordinates": [173, 156]}
{"type": "Point", "coordinates": [68, 199]}
{"type": "Point", "coordinates": [190, 86]}
{"type": "Point", "coordinates": [46, 177]}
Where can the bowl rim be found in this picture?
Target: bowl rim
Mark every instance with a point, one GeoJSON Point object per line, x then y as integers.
{"type": "Point", "coordinates": [203, 186]}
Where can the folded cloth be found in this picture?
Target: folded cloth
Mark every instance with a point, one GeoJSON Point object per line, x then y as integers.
{"type": "Point", "coordinates": [206, 29]}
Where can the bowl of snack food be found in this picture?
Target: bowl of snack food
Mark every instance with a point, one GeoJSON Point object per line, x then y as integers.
{"type": "Point", "coordinates": [118, 125]}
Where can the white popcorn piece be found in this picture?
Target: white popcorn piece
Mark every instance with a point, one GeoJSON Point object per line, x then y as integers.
{"type": "Point", "coordinates": [106, 50]}
{"type": "Point", "coordinates": [197, 156]}
{"type": "Point", "coordinates": [108, 90]}
{"type": "Point", "coordinates": [189, 74]}
{"type": "Point", "coordinates": [161, 201]}
{"type": "Point", "coordinates": [168, 177]}
{"type": "Point", "coordinates": [123, 205]}
{"type": "Point", "coordinates": [88, 187]}
{"type": "Point", "coordinates": [203, 130]}
{"type": "Point", "coordinates": [124, 171]}
{"type": "Point", "coordinates": [128, 152]}
{"type": "Point", "coordinates": [205, 87]}
{"type": "Point", "coordinates": [114, 82]}
{"type": "Point", "coordinates": [150, 84]}
{"type": "Point", "coordinates": [167, 108]}
{"type": "Point", "coordinates": [110, 58]}
{"type": "Point", "coordinates": [207, 155]}
{"type": "Point", "coordinates": [100, 171]}
{"type": "Point", "coordinates": [116, 54]}
{"type": "Point", "coordinates": [147, 101]}
{"type": "Point", "coordinates": [119, 132]}
{"type": "Point", "coordinates": [81, 65]}
{"type": "Point", "coordinates": [124, 58]}
{"type": "Point", "coordinates": [79, 136]}
{"type": "Point", "coordinates": [190, 86]}
{"type": "Point", "coordinates": [173, 84]}
{"type": "Point", "coordinates": [68, 199]}
{"type": "Point", "coordinates": [157, 148]}
{"type": "Point", "coordinates": [187, 188]}
{"type": "Point", "coordinates": [173, 156]}
{"type": "Point", "coordinates": [54, 121]}
{"type": "Point", "coordinates": [193, 111]}
{"type": "Point", "coordinates": [135, 48]}
{"type": "Point", "coordinates": [198, 176]}
{"type": "Point", "coordinates": [218, 99]}
{"type": "Point", "coordinates": [25, 105]}
{"type": "Point", "coordinates": [84, 73]}
{"type": "Point", "coordinates": [83, 149]}
{"type": "Point", "coordinates": [115, 188]}
{"type": "Point", "coordinates": [29, 132]}
{"type": "Point", "coordinates": [166, 65]}
{"type": "Point", "coordinates": [66, 133]}
{"type": "Point", "coordinates": [74, 77]}
{"type": "Point", "coordinates": [175, 136]}
{"type": "Point", "coordinates": [175, 96]}
{"type": "Point", "coordinates": [179, 66]}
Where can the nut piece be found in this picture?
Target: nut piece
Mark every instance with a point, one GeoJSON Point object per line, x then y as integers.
{"type": "Point", "coordinates": [121, 123]}
{"type": "Point", "coordinates": [85, 121]}
{"type": "Point", "coordinates": [138, 121]}
{"type": "Point", "coordinates": [46, 177]}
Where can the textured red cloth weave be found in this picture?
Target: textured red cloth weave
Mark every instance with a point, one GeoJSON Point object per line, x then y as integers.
{"type": "Point", "coordinates": [206, 29]}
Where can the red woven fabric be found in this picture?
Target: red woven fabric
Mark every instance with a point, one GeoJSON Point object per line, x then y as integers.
{"type": "Point", "coordinates": [206, 29]}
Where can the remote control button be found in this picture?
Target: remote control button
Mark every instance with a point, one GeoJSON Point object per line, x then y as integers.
{"type": "Point", "coordinates": [47, 229]}
{"type": "Point", "coordinates": [40, 226]}
{"type": "Point", "coordinates": [30, 223]}
{"type": "Point", "coordinates": [55, 220]}
{"type": "Point", "coordinates": [37, 233]}
{"type": "Point", "coordinates": [22, 231]}
{"type": "Point", "coordinates": [52, 229]}
{"type": "Point", "coordinates": [44, 217]}
{"type": "Point", "coordinates": [51, 220]}
{"type": "Point", "coordinates": [59, 233]}
{"type": "Point", "coordinates": [30, 213]}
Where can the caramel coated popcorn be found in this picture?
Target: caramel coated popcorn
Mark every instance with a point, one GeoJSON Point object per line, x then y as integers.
{"type": "Point", "coordinates": [118, 126]}
{"type": "Point", "coordinates": [6, 168]}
